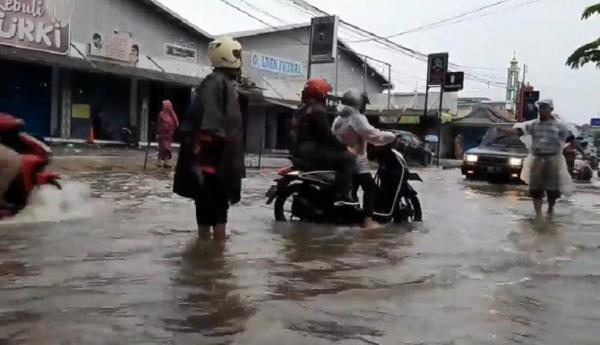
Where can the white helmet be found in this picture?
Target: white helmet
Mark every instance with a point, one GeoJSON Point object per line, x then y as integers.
{"type": "Point", "coordinates": [225, 52]}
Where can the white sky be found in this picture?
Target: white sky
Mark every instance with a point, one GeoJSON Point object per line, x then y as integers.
{"type": "Point", "coordinates": [543, 33]}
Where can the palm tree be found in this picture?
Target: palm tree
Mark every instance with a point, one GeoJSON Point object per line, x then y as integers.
{"type": "Point", "coordinates": [589, 52]}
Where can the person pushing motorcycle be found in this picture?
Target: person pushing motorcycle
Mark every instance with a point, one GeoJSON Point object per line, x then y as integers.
{"type": "Point", "coordinates": [314, 143]}
{"type": "Point", "coordinates": [353, 129]}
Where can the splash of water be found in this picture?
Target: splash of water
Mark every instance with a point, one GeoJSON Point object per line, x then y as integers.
{"type": "Point", "coordinates": [50, 205]}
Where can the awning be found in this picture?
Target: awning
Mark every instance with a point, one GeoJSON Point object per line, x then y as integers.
{"type": "Point", "coordinates": [283, 103]}
{"type": "Point", "coordinates": [32, 56]}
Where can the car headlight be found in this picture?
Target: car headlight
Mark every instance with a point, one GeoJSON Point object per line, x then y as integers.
{"type": "Point", "coordinates": [515, 162]}
{"type": "Point", "coordinates": [471, 158]}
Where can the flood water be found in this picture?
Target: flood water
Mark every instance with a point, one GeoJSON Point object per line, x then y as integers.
{"type": "Point", "coordinates": [125, 267]}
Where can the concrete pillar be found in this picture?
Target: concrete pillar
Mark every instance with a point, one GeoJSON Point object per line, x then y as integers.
{"type": "Point", "coordinates": [66, 93]}
{"type": "Point", "coordinates": [144, 89]}
{"type": "Point", "coordinates": [271, 140]}
{"type": "Point", "coordinates": [55, 101]}
{"type": "Point", "coordinates": [133, 102]}
{"type": "Point", "coordinates": [255, 136]}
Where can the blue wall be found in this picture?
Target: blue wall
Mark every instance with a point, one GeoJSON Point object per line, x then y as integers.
{"type": "Point", "coordinates": [25, 93]}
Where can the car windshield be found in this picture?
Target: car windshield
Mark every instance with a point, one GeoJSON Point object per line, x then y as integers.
{"type": "Point", "coordinates": [494, 138]}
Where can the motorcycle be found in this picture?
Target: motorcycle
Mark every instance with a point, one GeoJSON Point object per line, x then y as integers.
{"type": "Point", "coordinates": [308, 196]}
{"type": "Point", "coordinates": [35, 158]}
{"type": "Point", "coordinates": [582, 168]}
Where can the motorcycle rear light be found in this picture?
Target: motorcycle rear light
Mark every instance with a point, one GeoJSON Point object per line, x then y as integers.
{"type": "Point", "coordinates": [284, 171]}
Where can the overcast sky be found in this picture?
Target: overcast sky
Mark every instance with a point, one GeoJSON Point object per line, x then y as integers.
{"type": "Point", "coordinates": [543, 33]}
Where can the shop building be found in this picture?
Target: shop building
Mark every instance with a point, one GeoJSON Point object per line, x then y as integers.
{"type": "Point", "coordinates": [68, 66]}
{"type": "Point", "coordinates": [276, 63]}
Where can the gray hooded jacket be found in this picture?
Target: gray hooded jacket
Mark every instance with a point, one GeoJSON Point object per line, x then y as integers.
{"type": "Point", "coordinates": [354, 130]}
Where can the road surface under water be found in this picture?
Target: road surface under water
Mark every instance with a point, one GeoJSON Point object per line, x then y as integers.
{"type": "Point", "coordinates": [125, 268]}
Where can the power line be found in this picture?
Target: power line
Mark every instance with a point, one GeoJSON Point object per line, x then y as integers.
{"type": "Point", "coordinates": [442, 21]}
{"type": "Point", "coordinates": [228, 3]}
{"type": "Point", "coordinates": [303, 43]}
{"type": "Point", "coordinates": [396, 46]}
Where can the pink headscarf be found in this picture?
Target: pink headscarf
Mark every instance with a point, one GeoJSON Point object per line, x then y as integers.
{"type": "Point", "coordinates": [168, 116]}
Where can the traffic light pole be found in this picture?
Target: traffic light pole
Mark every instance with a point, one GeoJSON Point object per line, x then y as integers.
{"type": "Point", "coordinates": [439, 143]}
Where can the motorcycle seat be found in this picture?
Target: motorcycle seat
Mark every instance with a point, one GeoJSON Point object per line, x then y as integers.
{"type": "Point", "coordinates": [325, 177]}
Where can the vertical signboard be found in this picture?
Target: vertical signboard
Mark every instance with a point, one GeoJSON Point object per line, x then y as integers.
{"type": "Point", "coordinates": [323, 39]}
{"type": "Point", "coordinates": [43, 25]}
{"type": "Point", "coordinates": [437, 67]}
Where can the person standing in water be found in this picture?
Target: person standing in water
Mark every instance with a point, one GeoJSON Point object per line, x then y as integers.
{"type": "Point", "coordinates": [548, 166]}
{"type": "Point", "coordinates": [210, 166]}
{"type": "Point", "coordinates": [166, 125]}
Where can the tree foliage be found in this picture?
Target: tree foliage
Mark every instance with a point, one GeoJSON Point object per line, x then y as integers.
{"type": "Point", "coordinates": [590, 52]}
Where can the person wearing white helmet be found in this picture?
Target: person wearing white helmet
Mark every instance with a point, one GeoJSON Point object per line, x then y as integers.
{"type": "Point", "coordinates": [546, 170]}
{"type": "Point", "coordinates": [354, 130]}
{"type": "Point", "coordinates": [210, 166]}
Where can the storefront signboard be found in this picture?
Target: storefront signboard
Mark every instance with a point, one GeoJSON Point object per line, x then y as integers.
{"type": "Point", "coordinates": [409, 120]}
{"type": "Point", "coordinates": [275, 64]}
{"type": "Point", "coordinates": [116, 47]}
{"type": "Point", "coordinates": [43, 25]}
{"type": "Point", "coordinates": [81, 111]}
{"type": "Point", "coordinates": [181, 53]}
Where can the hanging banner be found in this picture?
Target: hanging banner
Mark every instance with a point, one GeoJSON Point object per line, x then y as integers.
{"type": "Point", "coordinates": [116, 47]}
{"type": "Point", "coordinates": [43, 25]}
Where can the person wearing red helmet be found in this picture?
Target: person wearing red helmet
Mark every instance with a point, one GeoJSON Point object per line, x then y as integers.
{"type": "Point", "coordinates": [314, 143]}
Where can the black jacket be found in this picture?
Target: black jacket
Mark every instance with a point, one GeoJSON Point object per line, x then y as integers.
{"type": "Point", "coordinates": [311, 128]}
{"type": "Point", "coordinates": [214, 110]}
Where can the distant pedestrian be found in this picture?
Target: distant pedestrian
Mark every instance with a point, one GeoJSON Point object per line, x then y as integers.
{"type": "Point", "coordinates": [459, 146]}
{"type": "Point", "coordinates": [548, 173]}
{"type": "Point", "coordinates": [166, 125]}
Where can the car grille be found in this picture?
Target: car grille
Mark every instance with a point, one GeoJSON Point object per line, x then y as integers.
{"type": "Point", "coordinates": [493, 160]}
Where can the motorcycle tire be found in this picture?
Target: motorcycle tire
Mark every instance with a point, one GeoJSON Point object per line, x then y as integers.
{"type": "Point", "coordinates": [414, 215]}
{"type": "Point", "coordinates": [281, 199]}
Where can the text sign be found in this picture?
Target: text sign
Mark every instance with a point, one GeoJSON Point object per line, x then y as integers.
{"type": "Point", "coordinates": [179, 52]}
{"type": "Point", "coordinates": [43, 25]}
{"type": "Point", "coordinates": [323, 39]}
{"type": "Point", "coordinates": [437, 67]}
{"type": "Point", "coordinates": [454, 81]}
{"type": "Point", "coordinates": [595, 123]}
{"type": "Point", "coordinates": [275, 65]}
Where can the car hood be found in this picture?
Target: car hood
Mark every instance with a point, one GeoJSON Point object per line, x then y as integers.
{"type": "Point", "coordinates": [497, 151]}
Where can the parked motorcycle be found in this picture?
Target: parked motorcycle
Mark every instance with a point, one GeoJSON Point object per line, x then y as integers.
{"type": "Point", "coordinates": [308, 196]}
{"type": "Point", "coordinates": [35, 158]}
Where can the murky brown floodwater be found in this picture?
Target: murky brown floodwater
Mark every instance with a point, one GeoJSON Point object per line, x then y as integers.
{"type": "Point", "coordinates": [478, 271]}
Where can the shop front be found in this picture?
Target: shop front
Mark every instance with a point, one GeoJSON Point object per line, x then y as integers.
{"type": "Point", "coordinates": [25, 91]}
{"type": "Point", "coordinates": [75, 70]}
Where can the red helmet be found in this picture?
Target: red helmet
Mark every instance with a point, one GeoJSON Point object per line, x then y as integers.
{"type": "Point", "coordinates": [316, 89]}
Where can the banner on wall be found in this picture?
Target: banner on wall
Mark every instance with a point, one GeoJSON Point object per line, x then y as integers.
{"type": "Point", "coordinates": [115, 47]}
{"type": "Point", "coordinates": [275, 64]}
{"type": "Point", "coordinates": [43, 25]}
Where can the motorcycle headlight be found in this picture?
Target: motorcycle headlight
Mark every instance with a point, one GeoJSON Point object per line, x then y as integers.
{"type": "Point", "coordinates": [471, 158]}
{"type": "Point", "coordinates": [515, 162]}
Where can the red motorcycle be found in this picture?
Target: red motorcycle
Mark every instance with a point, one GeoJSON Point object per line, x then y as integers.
{"type": "Point", "coordinates": [35, 158]}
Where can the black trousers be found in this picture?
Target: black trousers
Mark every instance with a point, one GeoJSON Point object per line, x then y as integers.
{"type": "Point", "coordinates": [212, 204]}
{"type": "Point", "coordinates": [367, 183]}
{"type": "Point", "coordinates": [343, 162]}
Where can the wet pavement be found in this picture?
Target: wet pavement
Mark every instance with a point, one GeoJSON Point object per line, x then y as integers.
{"type": "Point", "coordinates": [124, 267]}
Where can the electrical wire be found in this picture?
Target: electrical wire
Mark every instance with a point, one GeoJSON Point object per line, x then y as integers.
{"type": "Point", "coordinates": [398, 47]}
{"type": "Point", "coordinates": [445, 20]}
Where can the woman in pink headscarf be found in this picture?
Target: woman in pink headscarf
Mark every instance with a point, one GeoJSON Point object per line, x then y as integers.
{"type": "Point", "coordinates": [166, 125]}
